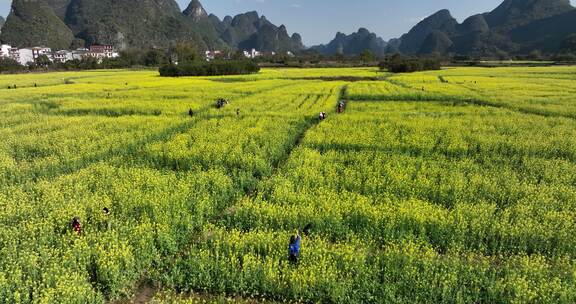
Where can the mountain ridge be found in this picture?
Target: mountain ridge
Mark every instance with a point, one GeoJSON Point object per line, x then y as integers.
{"type": "Point", "coordinates": [354, 44]}
{"type": "Point", "coordinates": [508, 29]}
{"type": "Point", "coordinates": [39, 21]}
{"type": "Point", "coordinates": [151, 23]}
{"type": "Point", "coordinates": [513, 27]}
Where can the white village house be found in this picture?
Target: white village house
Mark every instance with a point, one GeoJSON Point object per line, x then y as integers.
{"type": "Point", "coordinates": [5, 50]}
{"type": "Point", "coordinates": [253, 53]}
{"type": "Point", "coordinates": [102, 51]}
{"type": "Point", "coordinates": [62, 56]}
{"type": "Point", "coordinates": [211, 55]}
{"type": "Point", "coordinates": [26, 56]}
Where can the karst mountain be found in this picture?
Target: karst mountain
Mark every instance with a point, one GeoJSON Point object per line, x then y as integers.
{"type": "Point", "coordinates": [514, 27]}
{"type": "Point", "coordinates": [152, 23]}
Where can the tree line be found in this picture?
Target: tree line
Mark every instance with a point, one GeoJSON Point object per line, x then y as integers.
{"type": "Point", "coordinates": [214, 68]}
{"type": "Point", "coordinates": [400, 64]}
{"type": "Point", "coordinates": [186, 54]}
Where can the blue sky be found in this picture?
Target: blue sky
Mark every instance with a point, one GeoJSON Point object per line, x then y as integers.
{"type": "Point", "coordinates": [319, 20]}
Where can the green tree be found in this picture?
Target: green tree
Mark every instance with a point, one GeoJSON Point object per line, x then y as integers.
{"type": "Point", "coordinates": [155, 57]}
{"type": "Point", "coordinates": [535, 55]}
{"type": "Point", "coordinates": [367, 56]}
{"type": "Point", "coordinates": [238, 55]}
{"type": "Point", "coordinates": [185, 53]}
{"type": "Point", "coordinates": [569, 44]}
{"type": "Point", "coordinates": [131, 57]}
{"type": "Point", "coordinates": [42, 61]}
{"type": "Point", "coordinates": [10, 66]}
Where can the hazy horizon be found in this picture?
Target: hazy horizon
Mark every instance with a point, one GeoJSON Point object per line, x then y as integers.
{"type": "Point", "coordinates": [318, 21]}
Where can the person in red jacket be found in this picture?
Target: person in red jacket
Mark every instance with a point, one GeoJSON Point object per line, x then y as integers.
{"type": "Point", "coordinates": [76, 225]}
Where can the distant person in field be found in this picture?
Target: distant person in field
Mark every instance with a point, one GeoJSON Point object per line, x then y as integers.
{"type": "Point", "coordinates": [341, 105]}
{"type": "Point", "coordinates": [106, 220]}
{"type": "Point", "coordinates": [322, 116]}
{"type": "Point", "coordinates": [221, 103]}
{"type": "Point", "coordinates": [76, 225]}
{"type": "Point", "coordinates": [307, 229]}
{"type": "Point", "coordinates": [294, 248]}
{"type": "Point", "coordinates": [191, 113]}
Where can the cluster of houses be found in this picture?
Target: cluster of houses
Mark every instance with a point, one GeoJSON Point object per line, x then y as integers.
{"type": "Point", "coordinates": [25, 56]}
{"type": "Point", "coordinates": [251, 54]}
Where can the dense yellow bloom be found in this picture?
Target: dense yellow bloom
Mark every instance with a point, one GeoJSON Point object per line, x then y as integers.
{"type": "Point", "coordinates": [450, 186]}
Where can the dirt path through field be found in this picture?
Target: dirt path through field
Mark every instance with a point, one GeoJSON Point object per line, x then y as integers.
{"type": "Point", "coordinates": [144, 295]}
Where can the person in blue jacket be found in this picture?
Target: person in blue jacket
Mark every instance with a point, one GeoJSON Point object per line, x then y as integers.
{"type": "Point", "coordinates": [294, 248]}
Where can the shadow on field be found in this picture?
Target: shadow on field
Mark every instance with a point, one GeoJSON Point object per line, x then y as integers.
{"type": "Point", "coordinates": [106, 112]}
{"type": "Point", "coordinates": [473, 150]}
{"type": "Point", "coordinates": [338, 78]}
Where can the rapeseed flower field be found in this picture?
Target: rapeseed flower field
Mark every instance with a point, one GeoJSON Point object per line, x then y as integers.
{"type": "Point", "coordinates": [450, 186]}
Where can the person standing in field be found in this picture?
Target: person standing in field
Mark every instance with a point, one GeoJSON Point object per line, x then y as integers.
{"type": "Point", "coordinates": [105, 221]}
{"type": "Point", "coordinates": [190, 112]}
{"type": "Point", "coordinates": [341, 106]}
{"type": "Point", "coordinates": [294, 248]}
{"type": "Point", "coordinates": [76, 225]}
{"type": "Point", "coordinates": [307, 229]}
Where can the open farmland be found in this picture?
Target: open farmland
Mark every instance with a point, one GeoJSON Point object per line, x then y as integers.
{"type": "Point", "coordinates": [452, 186]}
